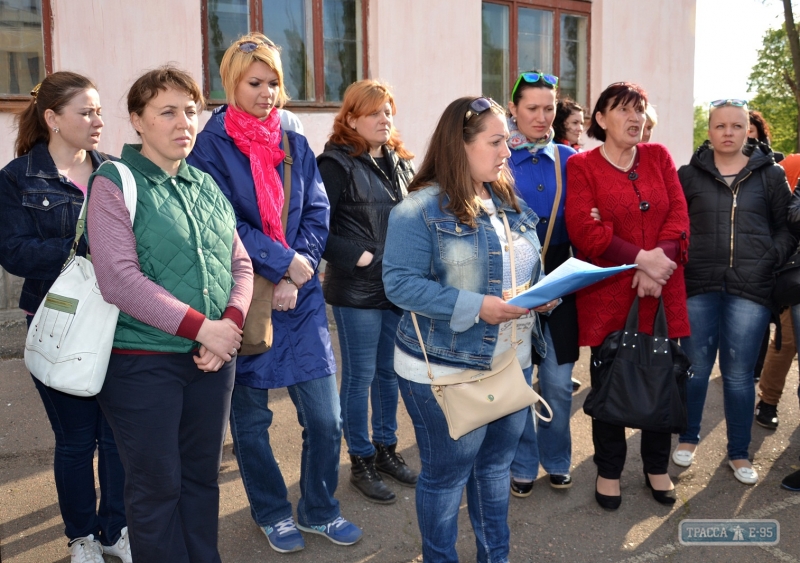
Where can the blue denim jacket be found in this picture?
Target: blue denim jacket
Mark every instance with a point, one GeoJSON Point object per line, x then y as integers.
{"type": "Point", "coordinates": [38, 213]}
{"type": "Point", "coordinates": [441, 269]}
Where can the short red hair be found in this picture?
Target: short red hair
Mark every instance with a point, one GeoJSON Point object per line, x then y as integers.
{"type": "Point", "coordinates": [363, 98]}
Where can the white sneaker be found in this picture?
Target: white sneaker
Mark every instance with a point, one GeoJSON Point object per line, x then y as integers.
{"type": "Point", "coordinates": [86, 550]}
{"type": "Point", "coordinates": [121, 549]}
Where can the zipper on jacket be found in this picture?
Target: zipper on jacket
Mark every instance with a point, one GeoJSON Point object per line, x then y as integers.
{"type": "Point", "coordinates": [735, 191]}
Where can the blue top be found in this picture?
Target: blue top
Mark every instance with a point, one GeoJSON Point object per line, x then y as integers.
{"type": "Point", "coordinates": [39, 209]}
{"type": "Point", "coordinates": [535, 178]}
{"type": "Point", "coordinates": [441, 269]}
{"type": "Point", "coordinates": [301, 348]}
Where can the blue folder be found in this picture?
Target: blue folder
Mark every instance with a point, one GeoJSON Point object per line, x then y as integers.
{"type": "Point", "coordinates": [545, 291]}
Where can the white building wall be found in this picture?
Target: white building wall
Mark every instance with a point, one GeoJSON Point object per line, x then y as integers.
{"type": "Point", "coordinates": [650, 43]}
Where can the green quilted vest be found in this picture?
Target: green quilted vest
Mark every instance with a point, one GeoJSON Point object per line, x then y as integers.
{"type": "Point", "coordinates": [184, 232]}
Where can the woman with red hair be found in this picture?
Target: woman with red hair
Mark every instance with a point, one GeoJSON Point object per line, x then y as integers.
{"type": "Point", "coordinates": [366, 170]}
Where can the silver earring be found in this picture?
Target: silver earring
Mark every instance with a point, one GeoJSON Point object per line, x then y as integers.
{"type": "Point", "coordinates": [56, 129]}
{"type": "Point", "coordinates": [514, 119]}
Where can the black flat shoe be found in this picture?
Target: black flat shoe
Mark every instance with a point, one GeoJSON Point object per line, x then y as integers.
{"type": "Point", "coordinates": [664, 497]}
{"type": "Point", "coordinates": [520, 489]}
{"type": "Point", "coordinates": [560, 481]}
{"type": "Point", "coordinates": [606, 501]}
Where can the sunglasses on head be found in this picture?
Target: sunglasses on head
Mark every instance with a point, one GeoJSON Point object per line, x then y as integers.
{"type": "Point", "coordinates": [478, 106]}
{"type": "Point", "coordinates": [729, 102]}
{"type": "Point", "coordinates": [250, 46]}
{"type": "Point", "coordinates": [533, 78]}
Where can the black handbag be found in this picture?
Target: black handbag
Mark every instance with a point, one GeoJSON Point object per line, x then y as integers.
{"type": "Point", "coordinates": [639, 380]}
{"type": "Point", "coordinates": [787, 283]}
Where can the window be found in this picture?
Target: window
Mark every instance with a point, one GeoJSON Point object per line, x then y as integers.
{"type": "Point", "coordinates": [322, 43]}
{"type": "Point", "coordinates": [550, 35]}
{"type": "Point", "coordinates": [22, 48]}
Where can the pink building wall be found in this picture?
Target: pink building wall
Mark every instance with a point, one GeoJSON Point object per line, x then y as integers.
{"type": "Point", "coordinates": [427, 63]}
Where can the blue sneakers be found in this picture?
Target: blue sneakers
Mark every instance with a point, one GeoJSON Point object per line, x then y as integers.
{"type": "Point", "coordinates": [284, 537]}
{"type": "Point", "coordinates": [340, 531]}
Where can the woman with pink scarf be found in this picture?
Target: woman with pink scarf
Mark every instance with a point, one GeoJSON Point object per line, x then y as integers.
{"type": "Point", "coordinates": [244, 149]}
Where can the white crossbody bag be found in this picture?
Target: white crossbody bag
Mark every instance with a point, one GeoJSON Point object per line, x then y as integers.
{"type": "Point", "coordinates": [70, 338]}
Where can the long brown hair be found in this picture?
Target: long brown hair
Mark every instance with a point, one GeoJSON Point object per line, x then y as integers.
{"type": "Point", "coordinates": [363, 98]}
{"type": "Point", "coordinates": [54, 92]}
{"type": "Point", "coordinates": [447, 164]}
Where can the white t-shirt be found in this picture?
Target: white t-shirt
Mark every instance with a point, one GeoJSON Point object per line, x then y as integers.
{"type": "Point", "coordinates": [526, 260]}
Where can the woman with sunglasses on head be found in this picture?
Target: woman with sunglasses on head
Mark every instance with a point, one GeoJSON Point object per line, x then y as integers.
{"type": "Point", "coordinates": [245, 150]}
{"type": "Point", "coordinates": [568, 124]}
{"type": "Point", "coordinates": [443, 241]}
{"type": "Point", "coordinates": [538, 165]}
{"type": "Point", "coordinates": [41, 193]}
{"type": "Point", "coordinates": [366, 171]}
{"type": "Point", "coordinates": [182, 281]}
{"type": "Point", "coordinates": [738, 210]}
{"type": "Point", "coordinates": [625, 206]}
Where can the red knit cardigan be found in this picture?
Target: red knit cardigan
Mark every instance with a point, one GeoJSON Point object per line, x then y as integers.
{"type": "Point", "coordinates": [593, 182]}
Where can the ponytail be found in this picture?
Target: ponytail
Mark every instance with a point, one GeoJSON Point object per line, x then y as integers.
{"type": "Point", "coordinates": [54, 92]}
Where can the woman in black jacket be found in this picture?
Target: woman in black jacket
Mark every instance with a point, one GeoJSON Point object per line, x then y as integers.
{"type": "Point", "coordinates": [737, 207]}
{"type": "Point", "coordinates": [366, 170]}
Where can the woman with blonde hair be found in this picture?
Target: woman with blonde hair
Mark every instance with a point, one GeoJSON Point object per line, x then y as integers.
{"type": "Point", "coordinates": [245, 149]}
{"type": "Point", "coordinates": [366, 170]}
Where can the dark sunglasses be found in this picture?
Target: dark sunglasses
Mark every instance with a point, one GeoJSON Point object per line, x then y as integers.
{"type": "Point", "coordinates": [477, 107]}
{"type": "Point", "coordinates": [729, 102]}
{"type": "Point", "coordinates": [250, 46]}
{"type": "Point", "coordinates": [533, 78]}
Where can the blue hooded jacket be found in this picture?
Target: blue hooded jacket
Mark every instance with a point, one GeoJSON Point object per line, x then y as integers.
{"type": "Point", "coordinates": [301, 348]}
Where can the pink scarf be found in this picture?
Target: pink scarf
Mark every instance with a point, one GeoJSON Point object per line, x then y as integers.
{"type": "Point", "coordinates": [260, 142]}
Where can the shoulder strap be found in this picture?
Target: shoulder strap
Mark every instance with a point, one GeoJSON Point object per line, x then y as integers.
{"type": "Point", "coordinates": [130, 193]}
{"type": "Point", "coordinates": [514, 342]}
{"type": "Point", "coordinates": [287, 181]}
{"type": "Point", "coordinates": [556, 201]}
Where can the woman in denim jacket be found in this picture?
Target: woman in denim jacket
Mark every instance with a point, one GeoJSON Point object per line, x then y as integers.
{"type": "Point", "coordinates": [41, 193]}
{"type": "Point", "coordinates": [446, 260]}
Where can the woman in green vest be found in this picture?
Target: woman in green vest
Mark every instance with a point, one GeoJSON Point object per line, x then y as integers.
{"type": "Point", "coordinates": [183, 283]}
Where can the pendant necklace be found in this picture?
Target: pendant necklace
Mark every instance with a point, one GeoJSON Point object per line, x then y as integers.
{"type": "Point", "coordinates": [620, 168]}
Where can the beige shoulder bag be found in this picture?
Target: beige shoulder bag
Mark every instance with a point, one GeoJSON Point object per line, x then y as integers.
{"type": "Point", "coordinates": [472, 398]}
{"type": "Point", "coordinates": [556, 201]}
{"type": "Point", "coordinates": [257, 335]}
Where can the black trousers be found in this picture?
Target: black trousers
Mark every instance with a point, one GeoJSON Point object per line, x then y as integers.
{"type": "Point", "coordinates": [169, 419]}
{"type": "Point", "coordinates": [611, 447]}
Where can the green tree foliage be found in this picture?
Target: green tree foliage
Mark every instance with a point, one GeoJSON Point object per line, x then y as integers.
{"type": "Point", "coordinates": [774, 97]}
{"type": "Point", "coordinates": [700, 126]}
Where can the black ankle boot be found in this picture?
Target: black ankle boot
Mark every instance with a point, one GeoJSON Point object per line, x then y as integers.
{"type": "Point", "coordinates": [392, 464]}
{"type": "Point", "coordinates": [365, 479]}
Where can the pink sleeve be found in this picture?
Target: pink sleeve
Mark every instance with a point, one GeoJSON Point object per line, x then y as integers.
{"type": "Point", "coordinates": [119, 276]}
{"type": "Point", "coordinates": [242, 292]}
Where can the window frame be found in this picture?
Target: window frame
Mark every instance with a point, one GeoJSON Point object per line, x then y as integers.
{"type": "Point", "coordinates": [558, 8]}
{"type": "Point", "coordinates": [13, 103]}
{"type": "Point", "coordinates": [255, 14]}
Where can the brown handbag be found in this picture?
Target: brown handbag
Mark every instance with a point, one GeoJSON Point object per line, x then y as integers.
{"type": "Point", "coordinates": [257, 336]}
{"type": "Point", "coordinates": [471, 398]}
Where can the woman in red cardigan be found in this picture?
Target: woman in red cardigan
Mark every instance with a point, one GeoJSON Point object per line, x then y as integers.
{"type": "Point", "coordinates": [626, 206]}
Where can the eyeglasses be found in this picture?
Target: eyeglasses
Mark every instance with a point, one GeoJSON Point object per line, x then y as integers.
{"type": "Point", "coordinates": [250, 46]}
{"type": "Point", "coordinates": [532, 78]}
{"type": "Point", "coordinates": [478, 106]}
{"type": "Point", "coordinates": [729, 102]}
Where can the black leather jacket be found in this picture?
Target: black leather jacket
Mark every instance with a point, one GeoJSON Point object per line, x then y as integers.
{"type": "Point", "coordinates": [739, 232]}
{"type": "Point", "coordinates": [359, 219]}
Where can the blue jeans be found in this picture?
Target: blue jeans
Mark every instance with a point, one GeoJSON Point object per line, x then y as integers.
{"type": "Point", "coordinates": [480, 460]}
{"type": "Point", "coordinates": [733, 325]}
{"type": "Point", "coordinates": [317, 404]}
{"type": "Point", "coordinates": [796, 326]}
{"type": "Point", "coordinates": [366, 337]}
{"type": "Point", "coordinates": [548, 442]}
{"type": "Point", "coordinates": [80, 428]}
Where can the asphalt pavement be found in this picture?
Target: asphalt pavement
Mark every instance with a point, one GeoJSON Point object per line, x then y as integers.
{"type": "Point", "coordinates": [549, 526]}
